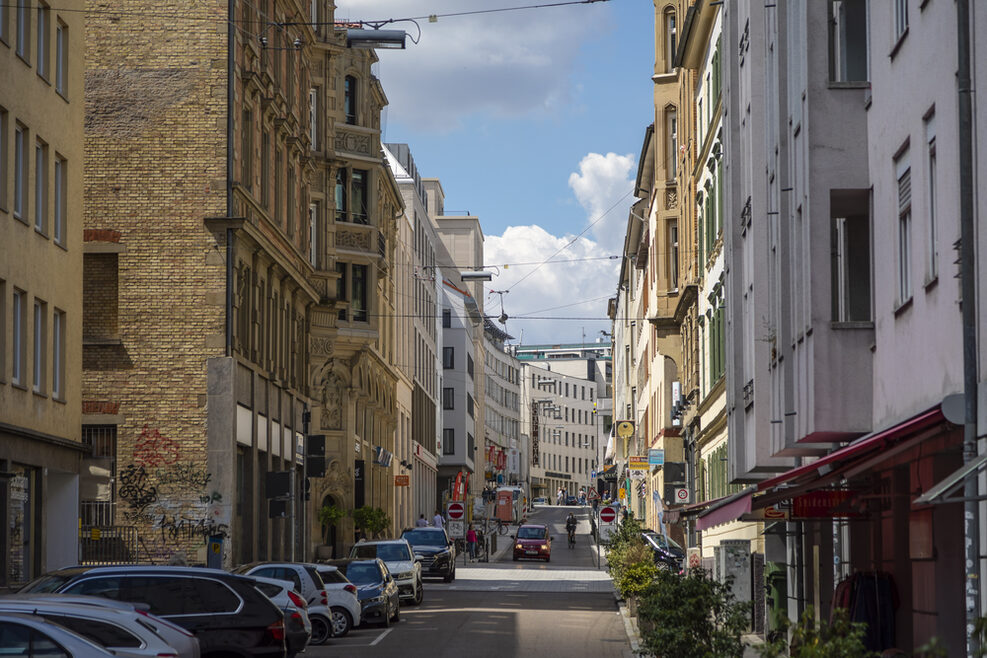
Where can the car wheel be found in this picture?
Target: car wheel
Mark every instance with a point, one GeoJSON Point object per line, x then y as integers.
{"type": "Point", "coordinates": [341, 622]}
{"type": "Point", "coordinates": [419, 594]}
{"type": "Point", "coordinates": [386, 623]}
{"type": "Point", "coordinates": [548, 559]}
{"type": "Point", "coordinates": [516, 558]}
{"type": "Point", "coordinates": [321, 630]}
{"type": "Point", "coordinates": [397, 613]}
{"type": "Point", "coordinates": [451, 576]}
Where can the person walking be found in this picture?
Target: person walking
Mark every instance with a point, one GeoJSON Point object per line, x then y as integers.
{"type": "Point", "coordinates": [471, 543]}
{"type": "Point", "coordinates": [421, 522]}
{"type": "Point", "coordinates": [437, 520]}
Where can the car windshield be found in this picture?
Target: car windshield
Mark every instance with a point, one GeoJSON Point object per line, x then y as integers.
{"type": "Point", "coordinates": [363, 574]}
{"type": "Point", "coordinates": [425, 537]}
{"type": "Point", "coordinates": [45, 584]}
{"type": "Point", "coordinates": [386, 552]}
{"type": "Point", "coordinates": [531, 533]}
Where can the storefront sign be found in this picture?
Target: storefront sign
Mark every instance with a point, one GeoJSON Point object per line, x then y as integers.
{"type": "Point", "coordinates": [637, 463]}
{"type": "Point", "coordinates": [402, 480]}
{"type": "Point", "coordinates": [823, 505]}
{"type": "Point", "coordinates": [656, 457]}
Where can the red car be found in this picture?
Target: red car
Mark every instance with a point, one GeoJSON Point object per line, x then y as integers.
{"type": "Point", "coordinates": [533, 541]}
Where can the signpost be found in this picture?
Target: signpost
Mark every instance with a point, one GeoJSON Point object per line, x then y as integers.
{"type": "Point", "coordinates": [456, 528]}
{"type": "Point", "coordinates": [681, 495]}
{"type": "Point", "coordinates": [607, 515]}
{"type": "Point", "coordinates": [455, 510]}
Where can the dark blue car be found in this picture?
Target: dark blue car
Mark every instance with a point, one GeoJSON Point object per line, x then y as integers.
{"type": "Point", "coordinates": [375, 587]}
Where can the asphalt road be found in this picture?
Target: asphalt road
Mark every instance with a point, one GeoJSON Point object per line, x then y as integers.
{"type": "Point", "coordinates": [506, 608]}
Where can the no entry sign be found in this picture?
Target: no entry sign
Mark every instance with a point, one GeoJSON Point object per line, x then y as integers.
{"type": "Point", "coordinates": [607, 514]}
{"type": "Point", "coordinates": [455, 510]}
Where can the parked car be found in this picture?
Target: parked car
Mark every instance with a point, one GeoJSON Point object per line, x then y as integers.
{"type": "Point", "coordinates": [184, 643]}
{"type": "Point", "coordinates": [571, 500]}
{"type": "Point", "coordinates": [533, 541]}
{"type": "Point", "coordinates": [297, 627]}
{"type": "Point", "coordinates": [28, 635]}
{"type": "Point", "coordinates": [540, 500]}
{"type": "Point", "coordinates": [344, 604]}
{"type": "Point", "coordinates": [378, 593]}
{"type": "Point", "coordinates": [307, 582]}
{"type": "Point", "coordinates": [436, 550]}
{"type": "Point", "coordinates": [400, 561]}
{"type": "Point", "coordinates": [667, 553]}
{"type": "Point", "coordinates": [125, 633]}
{"type": "Point", "coordinates": [224, 611]}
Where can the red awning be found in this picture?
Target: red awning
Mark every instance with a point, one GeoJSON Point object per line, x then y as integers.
{"type": "Point", "coordinates": [862, 446]}
{"type": "Point", "coordinates": [730, 511]}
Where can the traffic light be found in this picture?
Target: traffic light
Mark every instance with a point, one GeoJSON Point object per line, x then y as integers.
{"type": "Point", "coordinates": [278, 484]}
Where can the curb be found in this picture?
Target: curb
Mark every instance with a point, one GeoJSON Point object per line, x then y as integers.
{"type": "Point", "coordinates": [630, 626]}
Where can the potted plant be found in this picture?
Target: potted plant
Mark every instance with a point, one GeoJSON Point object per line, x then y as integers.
{"type": "Point", "coordinates": [372, 520]}
{"type": "Point", "coordinates": [329, 515]}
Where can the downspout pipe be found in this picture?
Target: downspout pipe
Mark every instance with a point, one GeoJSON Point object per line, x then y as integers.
{"type": "Point", "coordinates": [971, 521]}
{"type": "Point", "coordinates": [230, 89]}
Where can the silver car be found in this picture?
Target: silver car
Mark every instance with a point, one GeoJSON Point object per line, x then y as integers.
{"type": "Point", "coordinates": [26, 633]}
{"type": "Point", "coordinates": [127, 633]}
{"type": "Point", "coordinates": [184, 643]}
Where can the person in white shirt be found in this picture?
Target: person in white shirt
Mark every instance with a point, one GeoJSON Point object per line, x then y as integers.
{"type": "Point", "coordinates": [421, 522]}
{"type": "Point", "coordinates": [437, 520]}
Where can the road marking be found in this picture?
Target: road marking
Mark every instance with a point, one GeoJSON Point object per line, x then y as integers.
{"type": "Point", "coordinates": [381, 636]}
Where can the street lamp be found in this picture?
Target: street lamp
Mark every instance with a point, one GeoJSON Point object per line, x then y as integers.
{"type": "Point", "coordinates": [385, 39]}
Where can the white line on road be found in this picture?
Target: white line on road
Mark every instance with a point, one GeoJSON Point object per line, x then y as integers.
{"type": "Point", "coordinates": [381, 637]}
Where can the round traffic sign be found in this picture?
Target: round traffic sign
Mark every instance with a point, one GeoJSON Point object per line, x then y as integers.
{"type": "Point", "coordinates": [681, 495]}
{"type": "Point", "coordinates": [456, 510]}
{"type": "Point", "coordinates": [607, 515]}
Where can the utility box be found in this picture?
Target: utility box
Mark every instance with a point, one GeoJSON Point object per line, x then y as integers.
{"type": "Point", "coordinates": [505, 506]}
{"type": "Point", "coordinates": [732, 558]}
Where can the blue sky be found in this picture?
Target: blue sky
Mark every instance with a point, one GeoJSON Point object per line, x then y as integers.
{"type": "Point", "coordinates": [533, 121]}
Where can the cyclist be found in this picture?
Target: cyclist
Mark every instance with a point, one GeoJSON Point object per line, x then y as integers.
{"type": "Point", "coordinates": [570, 527]}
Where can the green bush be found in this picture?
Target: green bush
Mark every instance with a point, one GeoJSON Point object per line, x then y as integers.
{"type": "Point", "coordinates": [841, 638]}
{"type": "Point", "coordinates": [692, 616]}
{"type": "Point", "coordinates": [630, 563]}
{"type": "Point", "coordinates": [372, 520]}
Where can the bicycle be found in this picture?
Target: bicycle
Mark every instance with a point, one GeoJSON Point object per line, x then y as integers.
{"type": "Point", "coordinates": [499, 526]}
{"type": "Point", "coordinates": [572, 539]}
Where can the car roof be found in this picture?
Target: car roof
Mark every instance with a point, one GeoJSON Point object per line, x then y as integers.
{"type": "Point", "coordinates": [534, 525]}
{"type": "Point", "coordinates": [374, 542]}
{"type": "Point", "coordinates": [284, 584]}
{"type": "Point", "coordinates": [139, 568]}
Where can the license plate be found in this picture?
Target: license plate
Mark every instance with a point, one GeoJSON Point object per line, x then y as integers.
{"type": "Point", "coordinates": [531, 552]}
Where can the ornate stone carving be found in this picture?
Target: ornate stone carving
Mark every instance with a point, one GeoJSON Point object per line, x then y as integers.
{"type": "Point", "coordinates": [352, 142]}
{"type": "Point", "coordinates": [353, 240]}
{"type": "Point", "coordinates": [324, 319]}
{"type": "Point", "coordinates": [332, 400]}
{"type": "Point", "coordinates": [321, 346]}
{"type": "Point", "coordinates": [338, 479]}
{"type": "Point", "coordinates": [671, 198]}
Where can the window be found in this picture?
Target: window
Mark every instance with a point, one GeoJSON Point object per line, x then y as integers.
{"type": "Point", "coordinates": [341, 288]}
{"type": "Point", "coordinates": [448, 358]}
{"type": "Point", "coordinates": [358, 302]}
{"type": "Point", "coordinates": [851, 255]}
{"type": "Point", "coordinates": [469, 405]}
{"type": "Point", "coordinates": [670, 44]}
{"type": "Point", "coordinates": [20, 170]}
{"type": "Point", "coordinates": [673, 254]}
{"type": "Point", "coordinates": [60, 208]}
{"type": "Point", "coordinates": [848, 40]}
{"type": "Point", "coordinates": [900, 11]}
{"type": "Point", "coordinates": [43, 19]}
{"type": "Point", "coordinates": [313, 118]}
{"type": "Point", "coordinates": [349, 99]}
{"type": "Point", "coordinates": [40, 343]}
{"type": "Point", "coordinates": [448, 398]}
{"type": "Point", "coordinates": [671, 144]}
{"type": "Point", "coordinates": [448, 441]}
{"type": "Point", "coordinates": [61, 58]}
{"type": "Point", "coordinates": [278, 210]}
{"type": "Point", "coordinates": [904, 175]}
{"type": "Point", "coordinates": [469, 365]}
{"type": "Point", "coordinates": [470, 445]}
{"type": "Point", "coordinates": [446, 318]}
{"type": "Point", "coordinates": [932, 259]}
{"type": "Point", "coordinates": [41, 187]}
{"type": "Point", "coordinates": [265, 170]}
{"type": "Point", "coordinates": [358, 197]}
{"type": "Point", "coordinates": [22, 28]}
{"type": "Point", "coordinates": [17, 344]}
{"type": "Point", "coordinates": [3, 153]}
{"type": "Point", "coordinates": [247, 150]}
{"type": "Point", "coordinates": [313, 227]}
{"type": "Point", "coordinates": [58, 355]}
{"type": "Point", "coordinates": [290, 210]}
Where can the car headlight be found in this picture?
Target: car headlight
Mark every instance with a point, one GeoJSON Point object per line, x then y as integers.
{"type": "Point", "coordinates": [376, 599]}
{"type": "Point", "coordinates": [519, 546]}
{"type": "Point", "coordinates": [406, 575]}
{"type": "Point", "coordinates": [544, 547]}
{"type": "Point", "coordinates": [444, 553]}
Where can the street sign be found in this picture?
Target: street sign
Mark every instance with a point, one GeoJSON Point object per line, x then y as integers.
{"type": "Point", "coordinates": [456, 529]}
{"type": "Point", "coordinates": [456, 510]}
{"type": "Point", "coordinates": [402, 480]}
{"type": "Point", "coordinates": [656, 457]}
{"type": "Point", "coordinates": [681, 495]}
{"type": "Point", "coordinates": [608, 515]}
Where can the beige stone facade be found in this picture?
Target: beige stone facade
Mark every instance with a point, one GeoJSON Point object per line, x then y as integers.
{"type": "Point", "coordinates": [42, 105]}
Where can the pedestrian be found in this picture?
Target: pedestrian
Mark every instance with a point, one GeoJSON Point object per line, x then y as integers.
{"type": "Point", "coordinates": [421, 522]}
{"type": "Point", "coordinates": [437, 520]}
{"type": "Point", "coordinates": [471, 543]}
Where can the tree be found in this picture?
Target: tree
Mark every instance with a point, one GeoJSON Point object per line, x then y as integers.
{"type": "Point", "coordinates": [328, 516]}
{"type": "Point", "coordinates": [372, 520]}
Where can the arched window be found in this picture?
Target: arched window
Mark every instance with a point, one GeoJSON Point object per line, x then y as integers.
{"type": "Point", "coordinates": [349, 99]}
{"type": "Point", "coordinates": [671, 143]}
{"type": "Point", "coordinates": [668, 24]}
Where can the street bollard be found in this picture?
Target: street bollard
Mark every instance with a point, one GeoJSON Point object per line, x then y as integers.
{"type": "Point", "coordinates": [493, 543]}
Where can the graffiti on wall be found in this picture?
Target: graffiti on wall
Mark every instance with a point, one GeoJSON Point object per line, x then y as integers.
{"type": "Point", "coordinates": [152, 449]}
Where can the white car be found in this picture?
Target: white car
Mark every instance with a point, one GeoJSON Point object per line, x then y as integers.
{"type": "Point", "coordinates": [344, 604]}
{"type": "Point", "coordinates": [400, 561]}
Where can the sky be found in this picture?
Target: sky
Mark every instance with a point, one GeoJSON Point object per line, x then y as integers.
{"type": "Point", "coordinates": [533, 121]}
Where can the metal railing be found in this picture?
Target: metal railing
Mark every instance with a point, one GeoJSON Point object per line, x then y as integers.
{"type": "Point", "coordinates": [108, 545]}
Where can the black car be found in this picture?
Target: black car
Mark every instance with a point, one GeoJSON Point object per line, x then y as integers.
{"type": "Point", "coordinates": [571, 500]}
{"type": "Point", "coordinates": [667, 553]}
{"type": "Point", "coordinates": [380, 601]}
{"type": "Point", "coordinates": [224, 611]}
{"type": "Point", "coordinates": [436, 550]}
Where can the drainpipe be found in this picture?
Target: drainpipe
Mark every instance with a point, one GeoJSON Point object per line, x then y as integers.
{"type": "Point", "coordinates": [971, 522]}
{"type": "Point", "coordinates": [230, 70]}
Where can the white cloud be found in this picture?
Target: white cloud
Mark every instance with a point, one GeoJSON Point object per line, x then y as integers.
{"type": "Point", "coordinates": [602, 181]}
{"type": "Point", "coordinates": [573, 288]}
{"type": "Point", "coordinates": [514, 63]}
